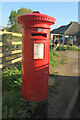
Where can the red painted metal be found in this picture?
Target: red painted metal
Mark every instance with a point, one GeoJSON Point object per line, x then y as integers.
{"type": "Point", "coordinates": [35, 72]}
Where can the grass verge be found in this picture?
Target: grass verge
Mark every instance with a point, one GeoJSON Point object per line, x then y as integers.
{"type": "Point", "coordinates": [67, 47]}
{"type": "Point", "coordinates": [55, 59]}
{"type": "Point", "coordinates": [13, 105]}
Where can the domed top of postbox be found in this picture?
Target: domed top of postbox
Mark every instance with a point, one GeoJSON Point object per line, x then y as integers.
{"type": "Point", "coordinates": [35, 17]}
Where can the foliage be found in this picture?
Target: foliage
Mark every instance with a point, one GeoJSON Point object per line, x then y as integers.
{"type": "Point", "coordinates": [55, 59]}
{"type": "Point", "coordinates": [14, 26]}
{"type": "Point", "coordinates": [55, 53]}
{"type": "Point", "coordinates": [73, 48]}
{"type": "Point", "coordinates": [67, 47]}
{"type": "Point", "coordinates": [5, 28]}
{"type": "Point", "coordinates": [10, 39]}
{"type": "Point", "coordinates": [62, 61]}
{"type": "Point", "coordinates": [13, 15]}
{"type": "Point", "coordinates": [14, 106]}
{"type": "Point", "coordinates": [62, 48]}
{"type": "Point", "coordinates": [12, 78]}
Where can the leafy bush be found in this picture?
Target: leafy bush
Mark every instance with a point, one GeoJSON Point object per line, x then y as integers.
{"type": "Point", "coordinates": [62, 47]}
{"type": "Point", "coordinates": [12, 78]}
{"type": "Point", "coordinates": [73, 48]}
{"type": "Point", "coordinates": [14, 106]}
{"type": "Point", "coordinates": [65, 47]}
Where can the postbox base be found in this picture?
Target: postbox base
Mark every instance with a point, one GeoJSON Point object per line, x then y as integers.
{"type": "Point", "coordinates": [41, 109]}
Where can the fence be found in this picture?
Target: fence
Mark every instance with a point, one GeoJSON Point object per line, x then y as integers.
{"type": "Point", "coordinates": [8, 52]}
{"type": "Point", "coordinates": [10, 48]}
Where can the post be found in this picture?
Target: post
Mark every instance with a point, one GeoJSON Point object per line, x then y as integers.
{"type": "Point", "coordinates": [3, 48]}
{"type": "Point", "coordinates": [50, 41]}
{"type": "Point", "coordinates": [63, 39]}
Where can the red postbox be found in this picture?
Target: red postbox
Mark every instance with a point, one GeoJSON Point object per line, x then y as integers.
{"type": "Point", "coordinates": [35, 55]}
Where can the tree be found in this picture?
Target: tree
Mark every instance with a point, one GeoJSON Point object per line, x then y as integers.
{"type": "Point", "coordinates": [14, 26]}
{"type": "Point", "coordinates": [12, 18]}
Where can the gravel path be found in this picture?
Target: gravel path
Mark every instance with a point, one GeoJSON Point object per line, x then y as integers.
{"type": "Point", "coordinates": [68, 81]}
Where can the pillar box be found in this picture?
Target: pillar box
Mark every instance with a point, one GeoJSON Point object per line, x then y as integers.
{"type": "Point", "coordinates": [35, 55]}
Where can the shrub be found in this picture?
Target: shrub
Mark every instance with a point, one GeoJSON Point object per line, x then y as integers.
{"type": "Point", "coordinates": [73, 48]}
{"type": "Point", "coordinates": [65, 47]}
{"type": "Point", "coordinates": [14, 106]}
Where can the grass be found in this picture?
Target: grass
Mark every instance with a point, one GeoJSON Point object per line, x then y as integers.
{"type": "Point", "coordinates": [13, 105]}
{"type": "Point", "coordinates": [73, 48]}
{"type": "Point", "coordinates": [55, 59]}
{"type": "Point", "coordinates": [67, 47]}
{"type": "Point", "coordinates": [62, 61]}
{"type": "Point", "coordinates": [56, 72]}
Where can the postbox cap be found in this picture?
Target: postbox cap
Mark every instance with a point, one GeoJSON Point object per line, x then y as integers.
{"type": "Point", "coordinates": [36, 16]}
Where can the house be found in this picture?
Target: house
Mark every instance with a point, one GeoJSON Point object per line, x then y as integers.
{"type": "Point", "coordinates": [71, 30]}
{"type": "Point", "coordinates": [78, 38]}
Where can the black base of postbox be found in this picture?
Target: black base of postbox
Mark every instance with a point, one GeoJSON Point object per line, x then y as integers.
{"type": "Point", "coordinates": [41, 110]}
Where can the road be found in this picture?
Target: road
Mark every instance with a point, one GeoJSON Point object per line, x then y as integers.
{"type": "Point", "coordinates": [68, 81]}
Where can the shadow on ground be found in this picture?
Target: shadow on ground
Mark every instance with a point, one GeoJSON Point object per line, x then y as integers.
{"type": "Point", "coordinates": [61, 90]}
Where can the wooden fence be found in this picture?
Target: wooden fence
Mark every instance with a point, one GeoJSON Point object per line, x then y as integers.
{"type": "Point", "coordinates": [9, 56]}
{"type": "Point", "coordinates": [9, 53]}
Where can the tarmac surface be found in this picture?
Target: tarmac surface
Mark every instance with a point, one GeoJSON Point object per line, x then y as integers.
{"type": "Point", "coordinates": [60, 97]}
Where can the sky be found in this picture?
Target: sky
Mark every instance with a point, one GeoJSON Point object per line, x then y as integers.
{"type": "Point", "coordinates": [63, 12]}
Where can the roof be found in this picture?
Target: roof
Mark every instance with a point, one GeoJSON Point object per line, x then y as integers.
{"type": "Point", "coordinates": [71, 29]}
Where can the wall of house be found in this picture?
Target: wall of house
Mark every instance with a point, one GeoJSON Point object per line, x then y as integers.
{"type": "Point", "coordinates": [78, 40]}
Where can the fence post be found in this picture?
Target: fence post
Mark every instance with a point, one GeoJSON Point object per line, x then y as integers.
{"type": "Point", "coordinates": [63, 39]}
{"type": "Point", "coordinates": [3, 48]}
